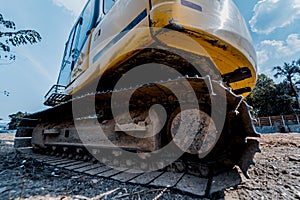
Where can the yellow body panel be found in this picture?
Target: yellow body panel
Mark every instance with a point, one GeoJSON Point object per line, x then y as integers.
{"type": "Point", "coordinates": [235, 53]}
{"type": "Point", "coordinates": [227, 43]}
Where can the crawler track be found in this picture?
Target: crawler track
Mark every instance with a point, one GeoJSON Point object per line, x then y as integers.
{"type": "Point", "coordinates": [54, 134]}
{"type": "Point", "coordinates": [202, 187]}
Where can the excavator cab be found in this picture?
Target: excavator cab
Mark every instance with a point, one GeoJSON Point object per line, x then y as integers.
{"type": "Point", "coordinates": [77, 49]}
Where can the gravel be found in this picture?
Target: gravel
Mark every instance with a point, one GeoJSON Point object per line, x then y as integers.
{"type": "Point", "coordinates": [275, 176]}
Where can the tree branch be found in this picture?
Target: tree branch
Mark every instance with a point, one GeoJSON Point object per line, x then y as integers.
{"type": "Point", "coordinates": [4, 47]}
{"type": "Point", "coordinates": [7, 24]}
{"type": "Point", "coordinates": [21, 37]}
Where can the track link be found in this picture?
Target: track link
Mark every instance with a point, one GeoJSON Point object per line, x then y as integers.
{"type": "Point", "coordinates": [202, 187]}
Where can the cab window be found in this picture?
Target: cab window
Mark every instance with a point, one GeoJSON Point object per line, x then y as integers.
{"type": "Point", "coordinates": [68, 60]}
{"type": "Point", "coordinates": [107, 5]}
{"type": "Point", "coordinates": [100, 14]}
{"type": "Point", "coordinates": [77, 39]}
{"type": "Point", "coordinates": [87, 16]}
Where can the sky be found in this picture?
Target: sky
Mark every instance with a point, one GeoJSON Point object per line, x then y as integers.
{"type": "Point", "coordinates": [273, 24]}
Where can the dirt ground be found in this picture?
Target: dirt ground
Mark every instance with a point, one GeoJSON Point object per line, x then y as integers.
{"type": "Point", "coordinates": [275, 176]}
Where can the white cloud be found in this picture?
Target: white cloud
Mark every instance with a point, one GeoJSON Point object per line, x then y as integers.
{"type": "Point", "coordinates": [73, 6]}
{"type": "Point", "coordinates": [275, 52]}
{"type": "Point", "coordinates": [272, 14]}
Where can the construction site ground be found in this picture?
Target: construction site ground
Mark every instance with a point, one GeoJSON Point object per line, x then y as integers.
{"type": "Point", "coordinates": [275, 176]}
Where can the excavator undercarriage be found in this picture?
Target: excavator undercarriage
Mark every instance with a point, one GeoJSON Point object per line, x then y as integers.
{"type": "Point", "coordinates": [99, 135]}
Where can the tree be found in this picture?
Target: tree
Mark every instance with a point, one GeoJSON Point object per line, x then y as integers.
{"type": "Point", "coordinates": [11, 37]}
{"type": "Point", "coordinates": [261, 96]}
{"type": "Point", "coordinates": [15, 120]}
{"type": "Point", "coordinates": [283, 102]}
{"type": "Point", "coordinates": [290, 72]}
{"type": "Point", "coordinates": [270, 99]}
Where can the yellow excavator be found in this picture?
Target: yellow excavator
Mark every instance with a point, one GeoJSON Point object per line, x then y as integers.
{"type": "Point", "coordinates": [153, 86]}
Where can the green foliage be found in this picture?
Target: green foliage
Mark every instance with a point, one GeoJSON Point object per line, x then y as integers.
{"type": "Point", "coordinates": [5, 93]}
{"type": "Point", "coordinates": [291, 74]}
{"type": "Point", "coordinates": [11, 37]}
{"type": "Point", "coordinates": [270, 99]}
{"type": "Point", "coordinates": [289, 71]}
{"type": "Point", "coordinates": [15, 120]}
